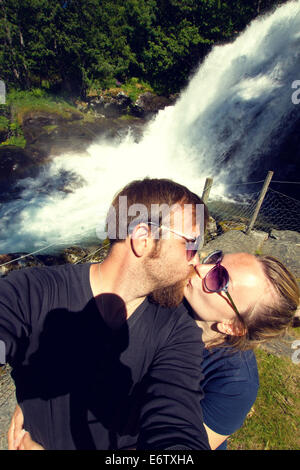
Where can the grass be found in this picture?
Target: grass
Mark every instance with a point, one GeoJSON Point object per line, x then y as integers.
{"type": "Point", "coordinates": [23, 102]}
{"type": "Point", "coordinates": [274, 421]}
{"type": "Point", "coordinates": [133, 88]}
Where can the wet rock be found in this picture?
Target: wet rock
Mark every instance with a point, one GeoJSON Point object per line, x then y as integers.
{"type": "Point", "coordinates": [211, 229]}
{"type": "Point", "coordinates": [15, 164]}
{"type": "Point", "coordinates": [110, 106]}
{"type": "Point", "coordinates": [15, 261]}
{"type": "Point", "coordinates": [227, 225]}
{"type": "Point", "coordinates": [54, 135]}
{"type": "Point", "coordinates": [148, 104]}
{"type": "Point", "coordinates": [73, 255]}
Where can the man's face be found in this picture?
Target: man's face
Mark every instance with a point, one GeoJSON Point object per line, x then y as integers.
{"type": "Point", "coordinates": [168, 264]}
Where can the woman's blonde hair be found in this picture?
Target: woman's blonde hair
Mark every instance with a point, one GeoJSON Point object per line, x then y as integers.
{"type": "Point", "coordinates": [264, 322]}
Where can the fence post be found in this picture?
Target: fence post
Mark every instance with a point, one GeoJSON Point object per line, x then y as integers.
{"type": "Point", "coordinates": [206, 190]}
{"type": "Point", "coordinates": [260, 201]}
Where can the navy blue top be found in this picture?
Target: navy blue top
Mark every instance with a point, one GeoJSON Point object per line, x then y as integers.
{"type": "Point", "coordinates": [230, 388]}
{"type": "Point", "coordinates": [77, 381]}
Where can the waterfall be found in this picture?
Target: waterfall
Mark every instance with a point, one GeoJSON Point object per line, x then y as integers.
{"type": "Point", "coordinates": [223, 125]}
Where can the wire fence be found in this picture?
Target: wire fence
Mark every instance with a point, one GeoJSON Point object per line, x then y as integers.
{"type": "Point", "coordinates": [277, 211]}
{"type": "Point", "coordinates": [235, 212]}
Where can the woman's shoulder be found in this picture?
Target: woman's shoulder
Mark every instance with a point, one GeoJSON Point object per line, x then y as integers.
{"type": "Point", "coordinates": [228, 364]}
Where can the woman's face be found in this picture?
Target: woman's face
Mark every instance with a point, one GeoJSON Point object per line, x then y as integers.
{"type": "Point", "coordinates": [247, 286]}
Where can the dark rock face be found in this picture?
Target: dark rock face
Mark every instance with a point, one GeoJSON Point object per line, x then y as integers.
{"type": "Point", "coordinates": [109, 106]}
{"type": "Point", "coordinates": [54, 135]}
{"type": "Point", "coordinates": [148, 104]}
{"type": "Point", "coordinates": [74, 255]}
{"type": "Point", "coordinates": [4, 134]}
{"type": "Point", "coordinates": [15, 164]}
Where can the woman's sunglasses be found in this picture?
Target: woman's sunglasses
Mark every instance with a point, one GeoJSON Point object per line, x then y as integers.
{"type": "Point", "coordinates": [192, 243]}
{"type": "Point", "coordinates": [217, 278]}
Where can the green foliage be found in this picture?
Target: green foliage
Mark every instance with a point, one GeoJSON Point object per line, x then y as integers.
{"type": "Point", "coordinates": [71, 45]}
{"type": "Point", "coordinates": [4, 123]}
{"type": "Point", "coordinates": [18, 141]}
{"type": "Point", "coordinates": [134, 87]}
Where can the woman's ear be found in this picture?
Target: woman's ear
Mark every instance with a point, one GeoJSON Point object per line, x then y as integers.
{"type": "Point", "coordinates": [231, 327]}
{"type": "Point", "coordinates": [140, 239]}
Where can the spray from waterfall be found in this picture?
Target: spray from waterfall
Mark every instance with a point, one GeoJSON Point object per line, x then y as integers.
{"type": "Point", "coordinates": [221, 126]}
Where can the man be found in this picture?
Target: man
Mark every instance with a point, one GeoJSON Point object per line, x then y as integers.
{"type": "Point", "coordinates": [84, 341]}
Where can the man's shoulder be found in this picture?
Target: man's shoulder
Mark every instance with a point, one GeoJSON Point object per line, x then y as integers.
{"type": "Point", "coordinates": [172, 320]}
{"type": "Point", "coordinates": [45, 275]}
{"type": "Point", "coordinates": [44, 271]}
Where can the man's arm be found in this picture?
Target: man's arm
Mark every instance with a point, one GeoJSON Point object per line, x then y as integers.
{"type": "Point", "coordinates": [22, 296]}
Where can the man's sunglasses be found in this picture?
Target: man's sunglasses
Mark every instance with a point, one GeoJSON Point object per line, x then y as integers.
{"type": "Point", "coordinates": [217, 278]}
{"type": "Point", "coordinates": [192, 245]}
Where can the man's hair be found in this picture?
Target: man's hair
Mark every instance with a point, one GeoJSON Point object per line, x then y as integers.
{"type": "Point", "coordinates": [149, 192]}
{"type": "Point", "coordinates": [264, 322]}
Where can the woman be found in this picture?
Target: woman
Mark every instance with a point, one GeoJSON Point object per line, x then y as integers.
{"type": "Point", "coordinates": [239, 300]}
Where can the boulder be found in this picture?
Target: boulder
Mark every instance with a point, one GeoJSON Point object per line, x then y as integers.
{"type": "Point", "coordinates": [110, 106]}
{"type": "Point", "coordinates": [16, 163]}
{"type": "Point", "coordinates": [148, 104]}
{"type": "Point", "coordinates": [50, 135]}
{"type": "Point", "coordinates": [285, 236]}
{"type": "Point", "coordinates": [15, 261]}
{"type": "Point", "coordinates": [234, 241]}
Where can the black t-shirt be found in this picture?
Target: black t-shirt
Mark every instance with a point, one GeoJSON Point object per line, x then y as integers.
{"type": "Point", "coordinates": [82, 385]}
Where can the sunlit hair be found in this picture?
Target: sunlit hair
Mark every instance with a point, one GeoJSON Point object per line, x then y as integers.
{"type": "Point", "coordinates": [264, 322]}
{"type": "Point", "coordinates": [154, 191]}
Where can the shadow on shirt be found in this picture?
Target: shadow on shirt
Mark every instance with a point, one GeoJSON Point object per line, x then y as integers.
{"type": "Point", "coordinates": [73, 361]}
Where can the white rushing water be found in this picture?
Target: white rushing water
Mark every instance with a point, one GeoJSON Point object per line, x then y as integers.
{"type": "Point", "coordinates": [221, 122]}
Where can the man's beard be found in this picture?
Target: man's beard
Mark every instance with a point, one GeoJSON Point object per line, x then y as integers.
{"type": "Point", "coordinates": [170, 296]}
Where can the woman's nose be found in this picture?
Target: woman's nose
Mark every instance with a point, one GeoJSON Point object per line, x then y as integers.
{"type": "Point", "coordinates": [202, 269]}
